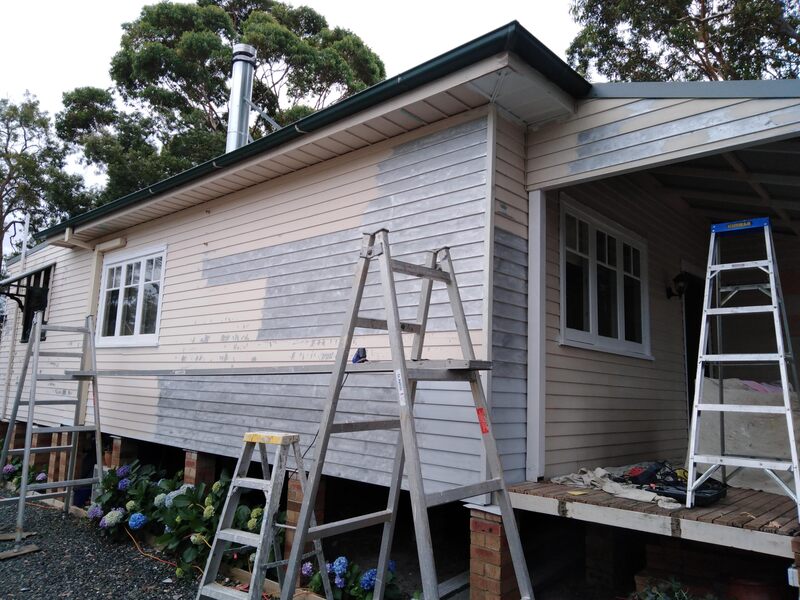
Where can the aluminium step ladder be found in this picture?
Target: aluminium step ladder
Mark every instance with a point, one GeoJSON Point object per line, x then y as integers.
{"type": "Point", "coordinates": [272, 486]}
{"type": "Point", "coordinates": [438, 267]}
{"type": "Point", "coordinates": [87, 376]}
{"type": "Point", "coordinates": [717, 295]}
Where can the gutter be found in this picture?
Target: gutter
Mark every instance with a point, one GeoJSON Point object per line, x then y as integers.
{"type": "Point", "coordinates": [508, 38]}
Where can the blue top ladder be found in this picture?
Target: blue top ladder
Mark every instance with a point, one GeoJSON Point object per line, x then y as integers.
{"type": "Point", "coordinates": [716, 297]}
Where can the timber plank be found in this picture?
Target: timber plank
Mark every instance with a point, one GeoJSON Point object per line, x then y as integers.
{"type": "Point", "coordinates": [775, 512]}
{"type": "Point", "coordinates": [772, 501]}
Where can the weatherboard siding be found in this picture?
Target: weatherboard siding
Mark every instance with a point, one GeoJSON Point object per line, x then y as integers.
{"type": "Point", "coordinates": [605, 409]}
{"type": "Point", "coordinates": [612, 136]}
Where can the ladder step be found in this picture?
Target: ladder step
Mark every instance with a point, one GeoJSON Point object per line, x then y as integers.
{"type": "Point", "coordinates": [366, 323]}
{"type": "Point", "coordinates": [65, 401]}
{"type": "Point", "coordinates": [71, 376]}
{"type": "Point", "coordinates": [464, 491]}
{"type": "Point", "coordinates": [398, 266]}
{"type": "Point", "coordinates": [744, 461]}
{"type": "Point", "coordinates": [252, 483]}
{"type": "Point", "coordinates": [15, 499]}
{"type": "Point", "coordinates": [65, 328]}
{"type": "Point", "coordinates": [40, 450]}
{"type": "Point", "coordinates": [65, 429]}
{"type": "Point", "coordinates": [743, 408]}
{"type": "Point", "coordinates": [66, 483]}
{"type": "Point", "coordinates": [741, 358]}
{"type": "Point", "coordinates": [745, 287]}
{"type": "Point", "coordinates": [220, 592]}
{"type": "Point", "coordinates": [376, 425]}
{"type": "Point", "coordinates": [750, 264]}
{"type": "Point", "coordinates": [55, 354]}
{"type": "Point", "coordinates": [741, 310]}
{"type": "Point", "coordinates": [237, 536]}
{"type": "Point", "coordinates": [351, 524]}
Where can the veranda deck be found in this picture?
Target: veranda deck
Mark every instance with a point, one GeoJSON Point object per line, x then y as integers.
{"type": "Point", "coordinates": [744, 519]}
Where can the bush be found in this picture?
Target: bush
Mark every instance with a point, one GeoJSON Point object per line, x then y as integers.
{"type": "Point", "coordinates": [671, 590]}
{"type": "Point", "coordinates": [348, 582]}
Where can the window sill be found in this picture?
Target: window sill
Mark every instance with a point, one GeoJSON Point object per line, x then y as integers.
{"type": "Point", "coordinates": [121, 343]}
{"type": "Point", "coordinates": [606, 349]}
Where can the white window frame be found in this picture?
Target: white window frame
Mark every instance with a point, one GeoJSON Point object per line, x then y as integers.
{"type": "Point", "coordinates": [591, 339]}
{"type": "Point", "coordinates": [122, 258]}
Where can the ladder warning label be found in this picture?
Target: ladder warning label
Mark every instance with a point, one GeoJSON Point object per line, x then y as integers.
{"type": "Point", "coordinates": [482, 420]}
{"type": "Point", "coordinates": [401, 388]}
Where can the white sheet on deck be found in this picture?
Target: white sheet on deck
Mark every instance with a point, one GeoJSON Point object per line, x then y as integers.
{"type": "Point", "coordinates": [600, 479]}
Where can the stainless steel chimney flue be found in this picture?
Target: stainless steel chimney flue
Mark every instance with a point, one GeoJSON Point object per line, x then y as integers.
{"type": "Point", "coordinates": [244, 63]}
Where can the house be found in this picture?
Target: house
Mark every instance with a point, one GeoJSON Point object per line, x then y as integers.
{"type": "Point", "coordinates": [570, 208]}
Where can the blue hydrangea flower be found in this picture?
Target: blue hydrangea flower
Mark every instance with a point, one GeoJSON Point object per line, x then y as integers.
{"type": "Point", "coordinates": [340, 566]}
{"type": "Point", "coordinates": [307, 569]}
{"type": "Point", "coordinates": [123, 484]}
{"type": "Point", "coordinates": [137, 521]}
{"type": "Point", "coordinates": [41, 477]}
{"type": "Point", "coordinates": [392, 566]}
{"type": "Point", "coordinates": [95, 512]}
{"type": "Point", "coordinates": [329, 568]}
{"type": "Point", "coordinates": [167, 529]}
{"type": "Point", "coordinates": [339, 582]}
{"type": "Point", "coordinates": [368, 580]}
{"type": "Point", "coordinates": [123, 471]}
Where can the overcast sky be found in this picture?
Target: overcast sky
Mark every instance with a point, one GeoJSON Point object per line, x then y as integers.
{"type": "Point", "coordinates": [51, 46]}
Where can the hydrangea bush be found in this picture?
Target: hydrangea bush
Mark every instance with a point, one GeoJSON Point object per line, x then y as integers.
{"type": "Point", "coordinates": [348, 582]}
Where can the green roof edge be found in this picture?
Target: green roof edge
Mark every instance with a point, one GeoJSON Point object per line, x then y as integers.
{"type": "Point", "coordinates": [512, 37]}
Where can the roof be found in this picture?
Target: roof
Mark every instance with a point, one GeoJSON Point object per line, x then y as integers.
{"type": "Point", "coordinates": [511, 38]}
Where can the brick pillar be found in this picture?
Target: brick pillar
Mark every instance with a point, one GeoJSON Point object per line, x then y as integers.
{"type": "Point", "coordinates": [199, 467]}
{"type": "Point", "coordinates": [294, 502]}
{"type": "Point", "coordinates": [123, 451]}
{"type": "Point", "coordinates": [491, 573]}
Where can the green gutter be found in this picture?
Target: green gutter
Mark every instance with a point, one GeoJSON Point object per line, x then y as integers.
{"type": "Point", "coordinates": [509, 38]}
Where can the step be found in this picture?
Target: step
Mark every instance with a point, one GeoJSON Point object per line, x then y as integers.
{"type": "Point", "coordinates": [398, 266]}
{"type": "Point", "coordinates": [741, 310]}
{"type": "Point", "coordinates": [376, 425]}
{"type": "Point", "coordinates": [750, 264]}
{"type": "Point", "coordinates": [366, 323]}
{"type": "Point", "coordinates": [746, 287]}
{"type": "Point", "coordinates": [252, 483]}
{"type": "Point", "coordinates": [741, 358]}
{"type": "Point", "coordinates": [71, 376]}
{"type": "Point", "coordinates": [66, 483]}
{"type": "Point", "coordinates": [744, 461]}
{"type": "Point", "coordinates": [65, 328]}
{"type": "Point", "coordinates": [351, 524]}
{"type": "Point", "coordinates": [461, 492]}
{"type": "Point", "coordinates": [237, 536]}
{"type": "Point", "coordinates": [40, 450]}
{"type": "Point", "coordinates": [220, 592]}
{"type": "Point", "coordinates": [54, 354]}
{"type": "Point", "coordinates": [65, 401]}
{"type": "Point", "coordinates": [743, 408]}
{"type": "Point", "coordinates": [35, 497]}
{"type": "Point", "coordinates": [65, 429]}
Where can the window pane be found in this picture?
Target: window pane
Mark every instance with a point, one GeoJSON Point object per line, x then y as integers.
{"type": "Point", "coordinates": [129, 311]}
{"type": "Point", "coordinates": [583, 237]}
{"type": "Point", "coordinates": [157, 268]}
{"type": "Point", "coordinates": [577, 292]}
{"type": "Point", "coordinates": [132, 273]}
{"type": "Point", "coordinates": [607, 302]}
{"type": "Point", "coordinates": [601, 246]}
{"type": "Point", "coordinates": [612, 251]}
{"type": "Point", "coordinates": [626, 258]}
{"type": "Point", "coordinates": [635, 261]}
{"type": "Point", "coordinates": [149, 308]}
{"type": "Point", "coordinates": [110, 312]}
{"type": "Point", "coordinates": [572, 232]}
{"type": "Point", "coordinates": [148, 270]}
{"type": "Point", "coordinates": [633, 309]}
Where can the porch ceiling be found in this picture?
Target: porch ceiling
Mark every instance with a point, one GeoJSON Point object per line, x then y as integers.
{"type": "Point", "coordinates": [754, 181]}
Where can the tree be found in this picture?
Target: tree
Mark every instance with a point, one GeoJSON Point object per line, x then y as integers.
{"type": "Point", "coordinates": [32, 176]}
{"type": "Point", "coordinates": [669, 40]}
{"type": "Point", "coordinates": [172, 73]}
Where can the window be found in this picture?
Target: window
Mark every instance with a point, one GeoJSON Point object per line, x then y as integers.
{"type": "Point", "coordinates": [130, 299]}
{"type": "Point", "coordinates": [604, 289]}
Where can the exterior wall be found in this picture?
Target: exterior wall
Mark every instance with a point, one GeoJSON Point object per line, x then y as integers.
{"type": "Point", "coordinates": [613, 136]}
{"type": "Point", "coordinates": [261, 277]}
{"type": "Point", "coordinates": [606, 409]}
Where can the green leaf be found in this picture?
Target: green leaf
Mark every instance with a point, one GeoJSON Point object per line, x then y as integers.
{"type": "Point", "coordinates": [190, 554]}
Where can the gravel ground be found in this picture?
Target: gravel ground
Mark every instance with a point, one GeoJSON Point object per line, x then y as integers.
{"type": "Point", "coordinates": [75, 562]}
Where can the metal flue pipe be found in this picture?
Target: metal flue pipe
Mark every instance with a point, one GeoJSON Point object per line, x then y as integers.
{"type": "Point", "coordinates": [244, 62]}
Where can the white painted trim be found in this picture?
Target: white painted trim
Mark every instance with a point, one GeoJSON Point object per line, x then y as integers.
{"type": "Point", "coordinates": [687, 529]}
{"type": "Point", "coordinates": [537, 374]}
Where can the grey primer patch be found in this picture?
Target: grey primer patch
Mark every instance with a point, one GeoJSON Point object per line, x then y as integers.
{"type": "Point", "coordinates": [430, 193]}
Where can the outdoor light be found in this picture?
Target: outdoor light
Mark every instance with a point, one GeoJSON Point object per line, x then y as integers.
{"type": "Point", "coordinates": [678, 286]}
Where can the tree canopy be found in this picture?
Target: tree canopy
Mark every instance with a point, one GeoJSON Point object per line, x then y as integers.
{"type": "Point", "coordinates": [168, 110]}
{"type": "Point", "coordinates": [669, 40]}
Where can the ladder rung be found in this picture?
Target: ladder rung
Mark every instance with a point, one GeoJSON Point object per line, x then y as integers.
{"type": "Point", "coordinates": [464, 491]}
{"type": "Point", "coordinates": [40, 450]}
{"type": "Point", "coordinates": [50, 402]}
{"type": "Point", "coordinates": [65, 328]}
{"type": "Point", "coordinates": [365, 426]}
{"type": "Point", "coordinates": [55, 354]}
{"type": "Point", "coordinates": [71, 376]}
{"type": "Point", "coordinates": [366, 323]}
{"type": "Point", "coordinates": [750, 264]}
{"type": "Point", "coordinates": [745, 287]}
{"type": "Point", "coordinates": [744, 461]}
{"type": "Point", "coordinates": [64, 429]}
{"type": "Point", "coordinates": [221, 592]}
{"type": "Point", "coordinates": [351, 524]}
{"type": "Point", "coordinates": [237, 536]}
{"type": "Point", "coordinates": [743, 358]}
{"type": "Point", "coordinates": [66, 483]}
{"type": "Point", "coordinates": [398, 266]}
{"type": "Point", "coordinates": [743, 408]}
{"type": "Point", "coordinates": [741, 310]}
{"type": "Point", "coordinates": [15, 499]}
{"type": "Point", "coordinates": [252, 483]}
